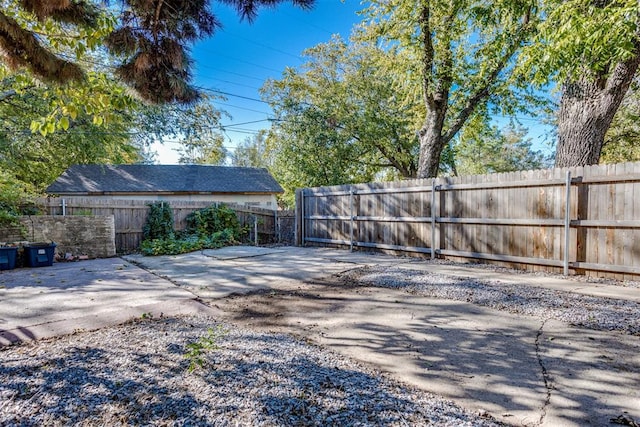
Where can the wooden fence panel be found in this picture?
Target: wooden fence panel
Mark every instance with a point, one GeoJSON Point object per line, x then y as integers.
{"type": "Point", "coordinates": [517, 218]}
{"type": "Point", "coordinates": [131, 215]}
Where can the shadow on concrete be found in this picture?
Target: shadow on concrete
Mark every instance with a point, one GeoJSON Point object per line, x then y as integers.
{"type": "Point", "coordinates": [511, 366]}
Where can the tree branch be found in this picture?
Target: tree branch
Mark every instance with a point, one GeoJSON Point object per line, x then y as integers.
{"type": "Point", "coordinates": [483, 92]}
{"type": "Point", "coordinates": [428, 54]}
{"type": "Point", "coordinates": [157, 20]}
{"type": "Point", "coordinates": [472, 102]}
{"type": "Point", "coordinates": [444, 78]}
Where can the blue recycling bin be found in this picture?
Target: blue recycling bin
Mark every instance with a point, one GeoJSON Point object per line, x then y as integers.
{"type": "Point", "coordinates": [39, 254]}
{"type": "Point", "coordinates": [8, 258]}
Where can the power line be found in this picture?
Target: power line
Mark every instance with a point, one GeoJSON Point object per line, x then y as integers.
{"type": "Point", "coordinates": [241, 108]}
{"type": "Point", "coordinates": [229, 82]}
{"type": "Point", "coordinates": [233, 58]}
{"type": "Point", "coordinates": [229, 72]}
{"type": "Point", "coordinates": [266, 46]}
{"type": "Point", "coordinates": [247, 131]}
{"type": "Point", "coordinates": [247, 123]}
{"type": "Point", "coordinates": [231, 94]}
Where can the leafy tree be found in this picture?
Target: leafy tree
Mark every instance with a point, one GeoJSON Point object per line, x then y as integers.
{"type": "Point", "coordinates": [493, 150]}
{"type": "Point", "coordinates": [200, 136]}
{"type": "Point", "coordinates": [339, 119]}
{"type": "Point", "coordinates": [462, 52]}
{"type": "Point", "coordinates": [252, 152]}
{"type": "Point", "coordinates": [150, 36]}
{"type": "Point", "coordinates": [36, 159]}
{"type": "Point", "coordinates": [591, 49]}
{"type": "Point", "coordinates": [622, 141]}
{"type": "Point", "coordinates": [318, 156]}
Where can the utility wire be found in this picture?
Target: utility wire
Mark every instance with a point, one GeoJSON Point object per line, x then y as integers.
{"type": "Point", "coordinates": [266, 46]}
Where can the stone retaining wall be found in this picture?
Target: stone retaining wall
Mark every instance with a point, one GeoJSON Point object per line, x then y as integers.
{"type": "Point", "coordinates": [92, 236]}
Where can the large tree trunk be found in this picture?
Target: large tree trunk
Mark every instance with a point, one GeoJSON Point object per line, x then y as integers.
{"type": "Point", "coordinates": [587, 108]}
{"type": "Point", "coordinates": [431, 143]}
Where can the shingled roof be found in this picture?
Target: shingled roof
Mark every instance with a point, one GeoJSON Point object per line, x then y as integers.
{"type": "Point", "coordinates": [110, 179]}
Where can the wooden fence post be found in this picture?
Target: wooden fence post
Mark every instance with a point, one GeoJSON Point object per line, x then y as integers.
{"type": "Point", "coordinates": [297, 221]}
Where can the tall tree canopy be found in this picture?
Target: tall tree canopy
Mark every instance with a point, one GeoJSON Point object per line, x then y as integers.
{"type": "Point", "coordinates": [151, 37]}
{"type": "Point", "coordinates": [591, 49]}
{"type": "Point", "coordinates": [343, 102]}
{"type": "Point", "coordinates": [343, 117]}
{"type": "Point", "coordinates": [489, 149]}
{"type": "Point", "coordinates": [463, 53]}
{"type": "Point", "coordinates": [252, 152]}
{"type": "Point", "coordinates": [622, 141]}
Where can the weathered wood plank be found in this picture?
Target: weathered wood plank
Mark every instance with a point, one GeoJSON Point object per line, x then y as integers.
{"type": "Point", "coordinates": [519, 215]}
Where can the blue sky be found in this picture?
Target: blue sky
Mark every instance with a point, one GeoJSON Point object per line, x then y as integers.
{"type": "Point", "coordinates": [241, 56]}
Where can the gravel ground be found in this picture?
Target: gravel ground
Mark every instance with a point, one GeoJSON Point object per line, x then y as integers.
{"type": "Point", "coordinates": [581, 310]}
{"type": "Point", "coordinates": [139, 374]}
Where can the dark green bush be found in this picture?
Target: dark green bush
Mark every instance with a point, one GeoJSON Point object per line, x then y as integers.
{"type": "Point", "coordinates": [159, 224]}
{"type": "Point", "coordinates": [208, 228]}
{"type": "Point", "coordinates": [205, 222]}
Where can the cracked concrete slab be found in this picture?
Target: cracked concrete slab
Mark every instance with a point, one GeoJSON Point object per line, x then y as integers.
{"type": "Point", "coordinates": [234, 252]}
{"type": "Point", "coordinates": [521, 369]}
{"type": "Point", "coordinates": [48, 301]}
{"type": "Point", "coordinates": [593, 375]}
{"type": "Point", "coordinates": [209, 275]}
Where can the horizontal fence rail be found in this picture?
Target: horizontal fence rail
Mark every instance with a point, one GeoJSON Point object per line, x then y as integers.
{"type": "Point", "coordinates": [576, 220]}
{"type": "Point", "coordinates": [264, 225]}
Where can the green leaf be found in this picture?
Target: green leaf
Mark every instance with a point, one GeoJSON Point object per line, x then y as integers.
{"type": "Point", "coordinates": [64, 123]}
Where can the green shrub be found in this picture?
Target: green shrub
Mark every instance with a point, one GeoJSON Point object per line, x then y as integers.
{"type": "Point", "coordinates": [205, 222]}
{"type": "Point", "coordinates": [209, 228]}
{"type": "Point", "coordinates": [190, 243]}
{"type": "Point", "coordinates": [13, 194]}
{"type": "Point", "coordinates": [159, 223]}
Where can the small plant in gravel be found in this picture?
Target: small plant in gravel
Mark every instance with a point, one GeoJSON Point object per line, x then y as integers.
{"type": "Point", "coordinates": [195, 351]}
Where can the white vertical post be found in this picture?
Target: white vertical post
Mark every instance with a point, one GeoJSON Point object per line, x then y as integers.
{"type": "Point", "coordinates": [351, 220]}
{"type": "Point", "coordinates": [567, 224]}
{"type": "Point", "coordinates": [64, 207]}
{"type": "Point", "coordinates": [433, 218]}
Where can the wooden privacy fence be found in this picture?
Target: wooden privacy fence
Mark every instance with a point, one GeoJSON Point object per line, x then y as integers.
{"type": "Point", "coordinates": [578, 220]}
{"type": "Point", "coordinates": [130, 216]}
